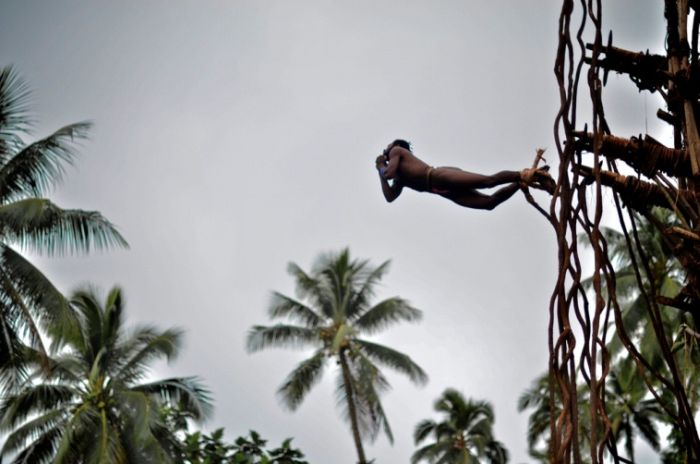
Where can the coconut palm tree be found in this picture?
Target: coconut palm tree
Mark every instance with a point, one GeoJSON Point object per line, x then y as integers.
{"type": "Point", "coordinates": [629, 409]}
{"type": "Point", "coordinates": [666, 277]}
{"type": "Point", "coordinates": [337, 311]}
{"type": "Point", "coordinates": [537, 398]}
{"type": "Point", "coordinates": [464, 436]}
{"type": "Point", "coordinates": [28, 301]}
{"type": "Point", "coordinates": [663, 282]}
{"type": "Point", "coordinates": [90, 406]}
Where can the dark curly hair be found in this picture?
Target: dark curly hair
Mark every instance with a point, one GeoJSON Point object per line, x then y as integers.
{"type": "Point", "coordinates": [398, 143]}
{"type": "Point", "coordinates": [401, 143]}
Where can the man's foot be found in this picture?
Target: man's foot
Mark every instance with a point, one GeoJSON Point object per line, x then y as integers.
{"type": "Point", "coordinates": [544, 180]}
{"type": "Point", "coordinates": [532, 174]}
{"type": "Point", "coordinates": [538, 178]}
{"type": "Point", "coordinates": [526, 175]}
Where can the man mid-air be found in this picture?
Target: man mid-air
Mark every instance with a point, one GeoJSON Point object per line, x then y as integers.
{"type": "Point", "coordinates": [398, 164]}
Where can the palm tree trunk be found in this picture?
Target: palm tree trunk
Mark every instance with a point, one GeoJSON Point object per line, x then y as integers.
{"type": "Point", "coordinates": [347, 382]}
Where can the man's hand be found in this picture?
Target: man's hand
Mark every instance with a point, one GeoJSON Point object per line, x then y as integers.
{"type": "Point", "coordinates": [390, 190]}
{"type": "Point", "coordinates": [380, 162]}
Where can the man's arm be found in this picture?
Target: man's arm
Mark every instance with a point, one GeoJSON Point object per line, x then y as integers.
{"type": "Point", "coordinates": [391, 192]}
{"type": "Point", "coordinates": [392, 167]}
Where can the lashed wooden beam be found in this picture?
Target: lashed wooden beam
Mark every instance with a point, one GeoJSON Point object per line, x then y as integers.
{"type": "Point", "coordinates": [646, 155]}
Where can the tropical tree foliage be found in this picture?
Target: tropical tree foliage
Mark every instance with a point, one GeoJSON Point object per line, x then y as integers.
{"type": "Point", "coordinates": [665, 278]}
{"type": "Point", "coordinates": [333, 312]}
{"type": "Point", "coordinates": [28, 300]}
{"type": "Point", "coordinates": [91, 406]}
{"type": "Point", "coordinates": [465, 435]}
{"type": "Point", "coordinates": [211, 449]}
{"type": "Point", "coordinates": [630, 412]}
{"type": "Point", "coordinates": [631, 409]}
{"type": "Point", "coordinates": [537, 398]}
{"type": "Point", "coordinates": [662, 278]}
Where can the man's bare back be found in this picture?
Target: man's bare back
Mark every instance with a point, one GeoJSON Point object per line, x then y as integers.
{"type": "Point", "coordinates": [398, 164]}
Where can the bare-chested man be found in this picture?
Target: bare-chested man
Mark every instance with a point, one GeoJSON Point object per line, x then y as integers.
{"type": "Point", "coordinates": [399, 164]}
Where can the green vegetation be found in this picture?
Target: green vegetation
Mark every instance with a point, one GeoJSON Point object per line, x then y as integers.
{"type": "Point", "coordinates": [338, 310]}
{"type": "Point", "coordinates": [83, 398]}
{"type": "Point", "coordinates": [72, 379]}
{"type": "Point", "coordinates": [211, 449]}
{"type": "Point", "coordinates": [28, 301]}
{"type": "Point", "coordinates": [464, 435]}
{"type": "Point", "coordinates": [89, 405]}
{"type": "Point", "coordinates": [631, 409]}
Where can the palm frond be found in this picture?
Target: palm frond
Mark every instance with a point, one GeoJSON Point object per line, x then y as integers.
{"type": "Point", "coordinates": [31, 431]}
{"type": "Point", "coordinates": [86, 302]}
{"type": "Point", "coordinates": [365, 292]}
{"type": "Point", "coordinates": [38, 225]}
{"type": "Point", "coordinates": [54, 313]}
{"type": "Point", "coordinates": [41, 450]}
{"type": "Point", "coordinates": [18, 311]}
{"type": "Point", "coordinates": [431, 452]}
{"type": "Point", "coordinates": [106, 447]}
{"type": "Point", "coordinates": [383, 421]}
{"type": "Point", "coordinates": [535, 395]}
{"type": "Point", "coordinates": [350, 400]}
{"type": "Point", "coordinates": [496, 452]}
{"type": "Point", "coordinates": [451, 402]}
{"type": "Point", "coordinates": [537, 398]}
{"type": "Point", "coordinates": [33, 399]}
{"type": "Point", "coordinates": [140, 418]}
{"type": "Point", "coordinates": [479, 414]}
{"type": "Point", "coordinates": [368, 384]}
{"type": "Point", "coordinates": [73, 441]}
{"type": "Point", "coordinates": [300, 381]}
{"type": "Point", "coordinates": [644, 421]}
{"type": "Point", "coordinates": [36, 168]}
{"type": "Point", "coordinates": [145, 346]}
{"type": "Point", "coordinates": [284, 306]}
{"type": "Point", "coordinates": [13, 368]}
{"type": "Point", "coordinates": [340, 277]}
{"type": "Point", "coordinates": [112, 318]}
{"type": "Point", "coordinates": [307, 286]}
{"type": "Point", "coordinates": [14, 111]}
{"type": "Point", "coordinates": [66, 368]}
{"type": "Point", "coordinates": [386, 313]}
{"type": "Point", "coordinates": [479, 429]}
{"type": "Point", "coordinates": [393, 359]}
{"type": "Point", "coordinates": [166, 445]}
{"type": "Point", "coordinates": [280, 335]}
{"type": "Point", "coordinates": [423, 429]}
{"type": "Point", "coordinates": [187, 393]}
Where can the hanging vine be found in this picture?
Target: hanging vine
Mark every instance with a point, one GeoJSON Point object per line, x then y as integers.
{"type": "Point", "coordinates": [580, 321]}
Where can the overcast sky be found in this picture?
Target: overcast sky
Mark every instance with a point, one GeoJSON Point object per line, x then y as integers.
{"type": "Point", "coordinates": [232, 137]}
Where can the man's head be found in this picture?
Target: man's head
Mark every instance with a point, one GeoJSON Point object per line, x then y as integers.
{"type": "Point", "coordinates": [397, 143]}
{"type": "Point", "coordinates": [400, 143]}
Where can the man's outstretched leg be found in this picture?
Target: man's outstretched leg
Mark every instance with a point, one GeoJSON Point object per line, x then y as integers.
{"type": "Point", "coordinates": [477, 200]}
{"type": "Point", "coordinates": [457, 181]}
{"type": "Point", "coordinates": [461, 182]}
